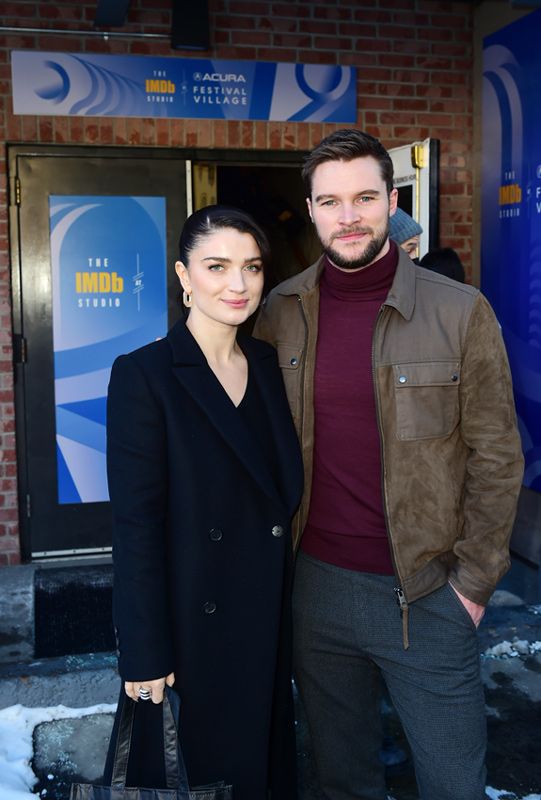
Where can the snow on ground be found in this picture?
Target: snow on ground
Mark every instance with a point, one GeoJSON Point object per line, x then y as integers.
{"type": "Point", "coordinates": [518, 647]}
{"type": "Point", "coordinates": [17, 724]}
{"type": "Point", "coordinates": [499, 794]}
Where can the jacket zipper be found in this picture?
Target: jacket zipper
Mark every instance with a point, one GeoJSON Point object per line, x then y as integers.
{"type": "Point", "coordinates": [303, 370]}
{"type": "Point", "coordinates": [399, 593]}
{"type": "Point", "coordinates": [303, 367]}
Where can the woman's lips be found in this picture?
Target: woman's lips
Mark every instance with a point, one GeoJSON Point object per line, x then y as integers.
{"type": "Point", "coordinates": [236, 303]}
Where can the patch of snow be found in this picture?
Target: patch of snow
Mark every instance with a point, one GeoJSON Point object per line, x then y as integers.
{"type": "Point", "coordinates": [518, 647]}
{"type": "Point", "coordinates": [502, 794]}
{"type": "Point", "coordinates": [17, 725]}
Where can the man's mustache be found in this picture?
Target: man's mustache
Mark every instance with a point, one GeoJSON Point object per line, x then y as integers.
{"type": "Point", "coordinates": [350, 231]}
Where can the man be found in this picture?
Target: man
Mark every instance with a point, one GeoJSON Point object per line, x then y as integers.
{"type": "Point", "coordinates": [400, 390]}
{"type": "Point", "coordinates": [406, 232]}
{"type": "Point", "coordinates": [445, 261]}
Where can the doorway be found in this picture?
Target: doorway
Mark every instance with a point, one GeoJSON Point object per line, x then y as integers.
{"type": "Point", "coordinates": [416, 176]}
{"type": "Point", "coordinates": [275, 197]}
{"type": "Point", "coordinates": [93, 235]}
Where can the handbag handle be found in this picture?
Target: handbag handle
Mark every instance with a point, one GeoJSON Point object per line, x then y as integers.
{"type": "Point", "coordinates": [175, 768]}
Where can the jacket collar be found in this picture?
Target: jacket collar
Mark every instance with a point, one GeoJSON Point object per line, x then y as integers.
{"type": "Point", "coordinates": [191, 369]}
{"type": "Point", "coordinates": [401, 294]}
{"type": "Point", "coordinates": [303, 283]}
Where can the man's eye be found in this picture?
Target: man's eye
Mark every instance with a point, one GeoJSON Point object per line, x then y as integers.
{"type": "Point", "coordinates": [366, 198]}
{"type": "Point", "coordinates": [328, 203]}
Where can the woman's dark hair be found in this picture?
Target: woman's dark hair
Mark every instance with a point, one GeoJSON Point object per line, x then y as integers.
{"type": "Point", "coordinates": [345, 145]}
{"type": "Point", "coordinates": [214, 218]}
{"type": "Point", "coordinates": [445, 261]}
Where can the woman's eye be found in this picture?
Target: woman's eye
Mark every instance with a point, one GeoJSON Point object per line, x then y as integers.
{"type": "Point", "coordinates": [254, 267]}
{"type": "Point", "coordinates": [216, 267]}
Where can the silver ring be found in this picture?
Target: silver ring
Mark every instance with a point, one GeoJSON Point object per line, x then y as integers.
{"type": "Point", "coordinates": [144, 694]}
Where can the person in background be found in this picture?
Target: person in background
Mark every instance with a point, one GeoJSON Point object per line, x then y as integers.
{"type": "Point", "coordinates": [204, 475]}
{"type": "Point", "coordinates": [444, 261]}
{"type": "Point", "coordinates": [406, 232]}
{"type": "Point", "coordinates": [401, 393]}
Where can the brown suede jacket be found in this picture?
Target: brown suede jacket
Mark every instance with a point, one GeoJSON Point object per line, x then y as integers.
{"type": "Point", "coordinates": [451, 453]}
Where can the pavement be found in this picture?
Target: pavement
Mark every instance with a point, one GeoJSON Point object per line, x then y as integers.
{"type": "Point", "coordinates": [72, 748]}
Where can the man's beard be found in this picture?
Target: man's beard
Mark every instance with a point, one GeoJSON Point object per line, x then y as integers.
{"type": "Point", "coordinates": [371, 253]}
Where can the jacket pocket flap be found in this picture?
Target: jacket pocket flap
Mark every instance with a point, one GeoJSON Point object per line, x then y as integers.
{"type": "Point", "coordinates": [289, 356]}
{"type": "Point", "coordinates": [428, 373]}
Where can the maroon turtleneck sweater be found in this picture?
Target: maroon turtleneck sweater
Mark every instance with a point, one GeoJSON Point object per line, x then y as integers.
{"type": "Point", "coordinates": [346, 524]}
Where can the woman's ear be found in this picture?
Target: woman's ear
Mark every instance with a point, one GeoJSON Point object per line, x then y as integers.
{"type": "Point", "coordinates": [183, 276]}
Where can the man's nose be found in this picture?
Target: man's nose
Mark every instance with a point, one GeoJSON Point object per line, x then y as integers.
{"type": "Point", "coordinates": [349, 213]}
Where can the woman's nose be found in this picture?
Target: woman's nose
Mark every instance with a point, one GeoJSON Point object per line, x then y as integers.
{"type": "Point", "coordinates": [237, 283]}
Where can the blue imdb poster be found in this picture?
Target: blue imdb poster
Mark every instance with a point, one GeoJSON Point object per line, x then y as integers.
{"type": "Point", "coordinates": [108, 262]}
{"type": "Point", "coordinates": [511, 214]}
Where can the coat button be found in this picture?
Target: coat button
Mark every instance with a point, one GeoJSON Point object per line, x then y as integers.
{"type": "Point", "coordinates": [209, 607]}
{"type": "Point", "coordinates": [215, 535]}
{"type": "Point", "coordinates": [293, 362]}
{"type": "Point", "coordinates": [402, 379]}
{"type": "Point", "coordinates": [277, 531]}
{"type": "Point", "coordinates": [454, 377]}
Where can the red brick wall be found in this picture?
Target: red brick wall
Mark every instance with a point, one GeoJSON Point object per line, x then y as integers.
{"type": "Point", "coordinates": [414, 60]}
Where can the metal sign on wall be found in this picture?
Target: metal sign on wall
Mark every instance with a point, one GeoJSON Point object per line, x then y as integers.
{"type": "Point", "coordinates": [511, 215]}
{"type": "Point", "coordinates": [64, 84]}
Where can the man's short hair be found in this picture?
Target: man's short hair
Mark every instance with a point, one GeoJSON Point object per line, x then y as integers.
{"type": "Point", "coordinates": [345, 145]}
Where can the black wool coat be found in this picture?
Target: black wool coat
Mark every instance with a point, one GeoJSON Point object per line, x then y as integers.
{"type": "Point", "coordinates": [202, 561]}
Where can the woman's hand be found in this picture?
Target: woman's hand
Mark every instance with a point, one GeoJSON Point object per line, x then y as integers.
{"type": "Point", "coordinates": [156, 688]}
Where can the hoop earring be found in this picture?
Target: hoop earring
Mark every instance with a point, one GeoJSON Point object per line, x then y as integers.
{"type": "Point", "coordinates": [186, 299]}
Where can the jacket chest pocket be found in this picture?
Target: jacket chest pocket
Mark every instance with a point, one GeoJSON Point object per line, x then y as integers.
{"type": "Point", "coordinates": [289, 358]}
{"type": "Point", "coordinates": [427, 399]}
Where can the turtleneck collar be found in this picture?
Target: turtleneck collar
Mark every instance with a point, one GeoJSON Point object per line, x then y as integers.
{"type": "Point", "coordinates": [371, 283]}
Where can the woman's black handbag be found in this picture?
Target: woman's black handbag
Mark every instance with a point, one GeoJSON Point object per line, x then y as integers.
{"type": "Point", "coordinates": [175, 769]}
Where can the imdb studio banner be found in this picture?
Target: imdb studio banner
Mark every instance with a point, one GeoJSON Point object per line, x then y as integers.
{"type": "Point", "coordinates": [146, 86]}
{"type": "Point", "coordinates": [511, 214]}
{"type": "Point", "coordinates": [108, 257]}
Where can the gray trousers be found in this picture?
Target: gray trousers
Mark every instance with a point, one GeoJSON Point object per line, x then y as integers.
{"type": "Point", "coordinates": [347, 636]}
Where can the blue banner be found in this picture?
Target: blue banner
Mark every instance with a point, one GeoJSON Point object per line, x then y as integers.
{"type": "Point", "coordinates": [108, 262]}
{"type": "Point", "coordinates": [511, 214]}
{"type": "Point", "coordinates": [144, 86]}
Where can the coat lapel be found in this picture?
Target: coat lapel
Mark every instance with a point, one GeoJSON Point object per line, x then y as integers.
{"type": "Point", "coordinates": [193, 373]}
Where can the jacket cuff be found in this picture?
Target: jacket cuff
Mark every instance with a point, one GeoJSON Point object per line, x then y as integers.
{"type": "Point", "coordinates": [471, 587]}
{"type": "Point", "coordinates": [134, 668]}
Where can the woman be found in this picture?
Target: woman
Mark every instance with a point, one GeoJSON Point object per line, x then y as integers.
{"type": "Point", "coordinates": [204, 477]}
